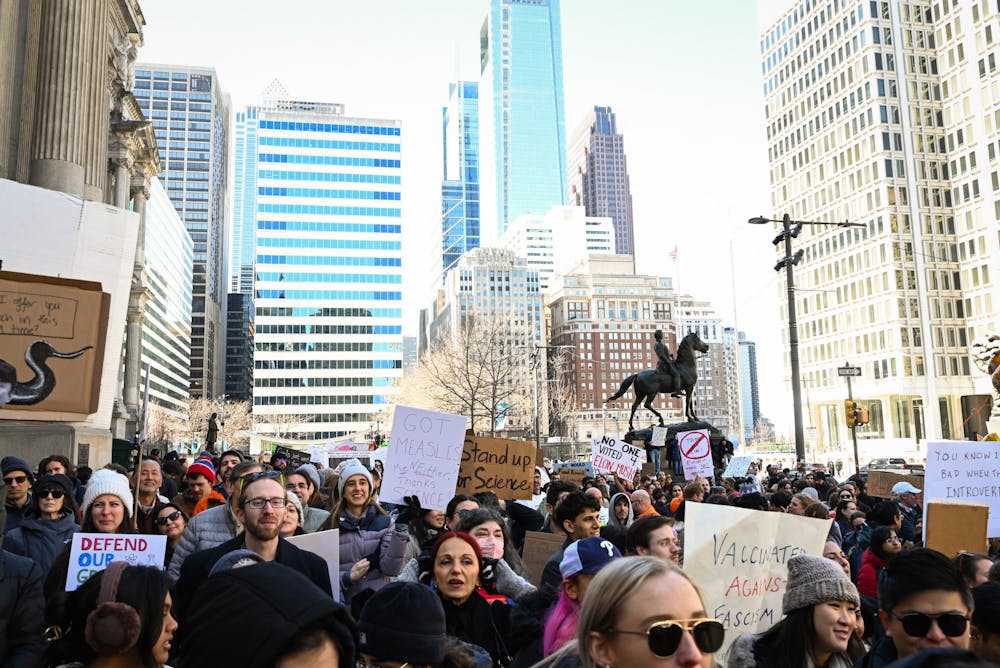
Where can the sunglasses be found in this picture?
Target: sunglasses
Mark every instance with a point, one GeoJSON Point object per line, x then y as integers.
{"type": "Point", "coordinates": [54, 493]}
{"type": "Point", "coordinates": [665, 637]}
{"type": "Point", "coordinates": [172, 517]}
{"type": "Point", "coordinates": [15, 479]}
{"type": "Point", "coordinates": [254, 477]}
{"type": "Point", "coordinates": [917, 624]}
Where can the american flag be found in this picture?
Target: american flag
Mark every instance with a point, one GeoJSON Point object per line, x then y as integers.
{"type": "Point", "coordinates": [673, 254]}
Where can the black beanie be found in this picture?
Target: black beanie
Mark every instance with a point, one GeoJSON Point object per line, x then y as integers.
{"type": "Point", "coordinates": [277, 602]}
{"type": "Point", "coordinates": [403, 621]}
{"type": "Point", "coordinates": [986, 614]}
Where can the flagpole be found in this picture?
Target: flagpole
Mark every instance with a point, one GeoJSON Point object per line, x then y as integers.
{"type": "Point", "coordinates": [138, 453]}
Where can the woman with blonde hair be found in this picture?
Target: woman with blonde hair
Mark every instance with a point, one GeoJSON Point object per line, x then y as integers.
{"type": "Point", "coordinates": [644, 611]}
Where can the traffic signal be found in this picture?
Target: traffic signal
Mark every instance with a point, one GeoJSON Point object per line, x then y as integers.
{"type": "Point", "coordinates": [851, 410]}
{"type": "Point", "coordinates": [862, 416]}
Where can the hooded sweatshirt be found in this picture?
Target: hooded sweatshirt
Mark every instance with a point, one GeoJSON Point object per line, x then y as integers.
{"type": "Point", "coordinates": [613, 519]}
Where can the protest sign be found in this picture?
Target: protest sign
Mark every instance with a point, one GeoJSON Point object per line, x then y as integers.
{"type": "Point", "coordinates": [538, 547]}
{"type": "Point", "coordinates": [659, 438]}
{"type": "Point", "coordinates": [956, 527]}
{"type": "Point", "coordinates": [586, 467]}
{"type": "Point", "coordinates": [326, 545]}
{"type": "Point", "coordinates": [738, 466]}
{"type": "Point", "coordinates": [614, 456]}
{"type": "Point", "coordinates": [335, 459]}
{"type": "Point", "coordinates": [880, 483]}
{"type": "Point", "coordinates": [740, 560]}
{"type": "Point", "coordinates": [965, 471]}
{"type": "Point", "coordinates": [649, 469]}
{"type": "Point", "coordinates": [92, 552]}
{"type": "Point", "coordinates": [296, 458]}
{"type": "Point", "coordinates": [572, 475]}
{"type": "Point", "coordinates": [423, 457]}
{"type": "Point", "coordinates": [499, 465]}
{"type": "Point", "coordinates": [696, 454]}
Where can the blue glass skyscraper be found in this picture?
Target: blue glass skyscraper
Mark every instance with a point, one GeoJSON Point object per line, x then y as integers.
{"type": "Point", "coordinates": [522, 120]}
{"type": "Point", "coordinates": [460, 184]}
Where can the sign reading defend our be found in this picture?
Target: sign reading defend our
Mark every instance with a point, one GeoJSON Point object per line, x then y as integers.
{"type": "Point", "coordinates": [503, 466]}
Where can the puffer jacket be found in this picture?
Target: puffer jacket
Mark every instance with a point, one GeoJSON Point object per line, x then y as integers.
{"type": "Point", "coordinates": [314, 518]}
{"type": "Point", "coordinates": [742, 654]}
{"type": "Point", "coordinates": [376, 537]}
{"type": "Point", "coordinates": [41, 540]}
{"type": "Point", "coordinates": [208, 529]}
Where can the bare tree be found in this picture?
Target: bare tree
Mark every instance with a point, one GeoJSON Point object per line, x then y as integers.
{"type": "Point", "coordinates": [282, 425]}
{"type": "Point", "coordinates": [234, 419]}
{"type": "Point", "coordinates": [561, 393]}
{"type": "Point", "coordinates": [162, 426]}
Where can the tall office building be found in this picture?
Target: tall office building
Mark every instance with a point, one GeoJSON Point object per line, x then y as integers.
{"type": "Point", "coordinates": [749, 387]}
{"type": "Point", "coordinates": [321, 201]}
{"type": "Point", "coordinates": [239, 346]}
{"type": "Point", "coordinates": [717, 389]}
{"type": "Point", "coordinates": [460, 184]}
{"type": "Point", "coordinates": [607, 314]}
{"type": "Point", "coordinates": [884, 113]}
{"type": "Point", "coordinates": [598, 174]}
{"type": "Point", "coordinates": [191, 119]}
{"type": "Point", "coordinates": [166, 327]}
{"type": "Point", "coordinates": [522, 121]}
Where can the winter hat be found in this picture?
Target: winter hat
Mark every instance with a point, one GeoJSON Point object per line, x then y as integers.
{"type": "Point", "coordinates": [352, 467]}
{"type": "Point", "coordinates": [54, 479]}
{"type": "Point", "coordinates": [10, 464]}
{"type": "Point", "coordinates": [287, 599]}
{"type": "Point", "coordinates": [813, 580]}
{"type": "Point", "coordinates": [811, 493]}
{"type": "Point", "coordinates": [310, 472]}
{"type": "Point", "coordinates": [587, 556]}
{"type": "Point", "coordinates": [403, 621]}
{"type": "Point", "coordinates": [106, 481]}
{"type": "Point", "coordinates": [293, 499]}
{"type": "Point", "coordinates": [202, 467]}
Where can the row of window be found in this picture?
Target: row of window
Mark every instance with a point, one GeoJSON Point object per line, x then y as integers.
{"type": "Point", "coordinates": [338, 160]}
{"type": "Point", "coordinates": [325, 193]}
{"type": "Point", "coordinates": [310, 277]}
{"type": "Point", "coordinates": [330, 260]}
{"type": "Point", "coordinates": [353, 295]}
{"type": "Point", "coordinates": [315, 382]}
{"type": "Point", "coordinates": [328, 364]}
{"type": "Point", "coordinates": [328, 144]}
{"type": "Point", "coordinates": [330, 127]}
{"type": "Point", "coordinates": [310, 226]}
{"type": "Point", "coordinates": [329, 329]}
{"type": "Point", "coordinates": [355, 244]}
{"type": "Point", "coordinates": [328, 312]}
{"type": "Point", "coordinates": [320, 210]}
{"type": "Point", "coordinates": [329, 347]}
{"type": "Point", "coordinates": [328, 176]}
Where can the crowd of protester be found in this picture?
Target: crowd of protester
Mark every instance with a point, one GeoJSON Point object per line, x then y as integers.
{"type": "Point", "coordinates": [421, 587]}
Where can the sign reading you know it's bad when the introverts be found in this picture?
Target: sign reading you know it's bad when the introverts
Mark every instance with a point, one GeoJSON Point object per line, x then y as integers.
{"type": "Point", "coordinates": [965, 471]}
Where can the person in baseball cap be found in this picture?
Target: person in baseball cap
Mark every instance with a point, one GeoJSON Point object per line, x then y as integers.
{"type": "Point", "coordinates": [581, 561]}
{"type": "Point", "coordinates": [905, 496]}
{"type": "Point", "coordinates": [904, 488]}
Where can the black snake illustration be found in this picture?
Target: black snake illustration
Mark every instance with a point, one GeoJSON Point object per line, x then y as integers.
{"type": "Point", "coordinates": [41, 386]}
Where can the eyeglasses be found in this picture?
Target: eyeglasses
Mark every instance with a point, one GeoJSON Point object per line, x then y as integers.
{"type": "Point", "coordinates": [259, 503]}
{"type": "Point", "coordinates": [172, 517]}
{"type": "Point", "coordinates": [54, 493]}
{"type": "Point", "coordinates": [918, 624]}
{"type": "Point", "coordinates": [15, 479]}
{"type": "Point", "coordinates": [665, 637]}
{"type": "Point", "coordinates": [254, 477]}
{"type": "Point", "coordinates": [893, 539]}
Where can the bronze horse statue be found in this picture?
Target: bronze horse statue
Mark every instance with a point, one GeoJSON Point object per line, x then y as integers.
{"type": "Point", "coordinates": [651, 382]}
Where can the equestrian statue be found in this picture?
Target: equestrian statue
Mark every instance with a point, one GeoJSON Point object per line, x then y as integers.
{"type": "Point", "coordinates": [671, 376]}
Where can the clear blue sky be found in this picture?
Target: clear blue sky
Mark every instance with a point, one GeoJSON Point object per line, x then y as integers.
{"type": "Point", "coordinates": [683, 77]}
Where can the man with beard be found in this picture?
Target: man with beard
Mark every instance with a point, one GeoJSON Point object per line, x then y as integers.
{"type": "Point", "coordinates": [260, 509]}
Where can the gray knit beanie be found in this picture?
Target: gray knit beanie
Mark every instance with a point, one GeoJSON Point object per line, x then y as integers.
{"type": "Point", "coordinates": [353, 467]}
{"type": "Point", "coordinates": [310, 472]}
{"type": "Point", "coordinates": [813, 580]}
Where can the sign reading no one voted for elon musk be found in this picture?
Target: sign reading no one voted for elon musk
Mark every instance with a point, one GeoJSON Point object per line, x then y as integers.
{"type": "Point", "coordinates": [696, 453]}
{"type": "Point", "coordinates": [740, 560]}
{"type": "Point", "coordinates": [613, 456]}
{"type": "Point", "coordinates": [503, 466]}
{"type": "Point", "coordinates": [424, 453]}
{"type": "Point", "coordinates": [93, 552]}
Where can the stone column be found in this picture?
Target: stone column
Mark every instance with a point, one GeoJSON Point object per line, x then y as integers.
{"type": "Point", "coordinates": [59, 142]}
{"type": "Point", "coordinates": [136, 316]}
{"type": "Point", "coordinates": [99, 103]}
{"type": "Point", "coordinates": [10, 83]}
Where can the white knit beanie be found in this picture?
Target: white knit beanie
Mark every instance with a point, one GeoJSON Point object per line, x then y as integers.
{"type": "Point", "coordinates": [106, 481]}
{"type": "Point", "coordinates": [353, 467]}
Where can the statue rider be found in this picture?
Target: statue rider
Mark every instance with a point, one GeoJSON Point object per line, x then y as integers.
{"type": "Point", "coordinates": [665, 363]}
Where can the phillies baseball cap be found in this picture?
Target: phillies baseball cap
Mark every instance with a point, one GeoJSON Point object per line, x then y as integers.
{"type": "Point", "coordinates": [587, 556]}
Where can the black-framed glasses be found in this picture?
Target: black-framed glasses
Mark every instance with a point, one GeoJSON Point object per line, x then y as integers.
{"type": "Point", "coordinates": [172, 517]}
{"type": "Point", "coordinates": [918, 624]}
{"type": "Point", "coordinates": [15, 479]}
{"type": "Point", "coordinates": [54, 493]}
{"type": "Point", "coordinates": [259, 502]}
{"type": "Point", "coordinates": [665, 637]}
{"type": "Point", "coordinates": [254, 477]}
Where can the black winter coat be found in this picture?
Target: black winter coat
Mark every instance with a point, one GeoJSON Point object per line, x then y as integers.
{"type": "Point", "coordinates": [41, 540]}
{"type": "Point", "coordinates": [21, 612]}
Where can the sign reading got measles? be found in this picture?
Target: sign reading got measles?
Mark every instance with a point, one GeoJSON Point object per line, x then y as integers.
{"type": "Point", "coordinates": [740, 560]}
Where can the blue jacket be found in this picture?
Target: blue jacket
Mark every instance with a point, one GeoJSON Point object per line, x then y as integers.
{"type": "Point", "coordinates": [21, 612]}
{"type": "Point", "coordinates": [41, 540]}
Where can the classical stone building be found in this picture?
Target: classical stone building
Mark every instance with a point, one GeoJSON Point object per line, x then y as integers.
{"type": "Point", "coordinates": [69, 122]}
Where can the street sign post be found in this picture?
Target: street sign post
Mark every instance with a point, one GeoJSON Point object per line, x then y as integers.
{"type": "Point", "coordinates": [847, 371]}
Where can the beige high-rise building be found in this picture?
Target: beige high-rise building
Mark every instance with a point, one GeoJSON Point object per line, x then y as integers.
{"type": "Point", "coordinates": [886, 113]}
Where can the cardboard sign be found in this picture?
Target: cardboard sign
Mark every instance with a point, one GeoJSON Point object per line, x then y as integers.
{"type": "Point", "coordinates": [324, 544]}
{"type": "Point", "coordinates": [587, 467]}
{"type": "Point", "coordinates": [613, 456]}
{"type": "Point", "coordinates": [696, 454]}
{"type": "Point", "coordinates": [956, 527]}
{"type": "Point", "coordinates": [740, 559]}
{"type": "Point", "coordinates": [499, 465]}
{"type": "Point", "coordinates": [540, 458]}
{"type": "Point", "coordinates": [296, 458]}
{"type": "Point", "coordinates": [423, 457]}
{"type": "Point", "coordinates": [649, 469]}
{"type": "Point", "coordinates": [965, 471]}
{"type": "Point", "coordinates": [738, 466]}
{"type": "Point", "coordinates": [538, 547]}
{"type": "Point", "coordinates": [659, 438]}
{"type": "Point", "coordinates": [92, 552]}
{"type": "Point", "coordinates": [60, 325]}
{"type": "Point", "coordinates": [880, 483]}
{"type": "Point", "coordinates": [575, 476]}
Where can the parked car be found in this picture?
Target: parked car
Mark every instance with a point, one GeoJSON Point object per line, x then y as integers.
{"type": "Point", "coordinates": [887, 464]}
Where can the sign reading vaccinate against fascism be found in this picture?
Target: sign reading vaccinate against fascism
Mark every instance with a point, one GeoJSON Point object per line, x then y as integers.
{"type": "Point", "coordinates": [696, 454]}
{"type": "Point", "coordinates": [423, 457]}
{"type": "Point", "coordinates": [93, 552]}
{"type": "Point", "coordinates": [740, 560]}
{"type": "Point", "coordinates": [503, 466]}
{"type": "Point", "coordinates": [965, 471]}
{"type": "Point", "coordinates": [613, 456]}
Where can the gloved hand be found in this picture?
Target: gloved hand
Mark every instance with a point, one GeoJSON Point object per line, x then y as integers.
{"type": "Point", "coordinates": [488, 573]}
{"type": "Point", "coordinates": [411, 510]}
